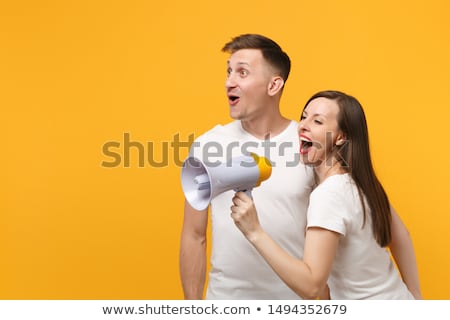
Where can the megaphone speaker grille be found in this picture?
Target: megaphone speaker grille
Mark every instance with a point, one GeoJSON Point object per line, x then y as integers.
{"type": "Point", "coordinates": [196, 183]}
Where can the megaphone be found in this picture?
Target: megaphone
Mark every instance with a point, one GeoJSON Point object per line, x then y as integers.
{"type": "Point", "coordinates": [201, 182]}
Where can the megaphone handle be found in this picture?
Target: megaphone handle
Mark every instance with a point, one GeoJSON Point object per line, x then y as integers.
{"type": "Point", "coordinates": [248, 192]}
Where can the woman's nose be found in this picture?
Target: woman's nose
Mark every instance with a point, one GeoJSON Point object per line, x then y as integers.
{"type": "Point", "coordinates": [302, 126]}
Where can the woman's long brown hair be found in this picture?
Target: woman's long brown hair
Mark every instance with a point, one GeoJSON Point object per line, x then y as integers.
{"type": "Point", "coordinates": [354, 156]}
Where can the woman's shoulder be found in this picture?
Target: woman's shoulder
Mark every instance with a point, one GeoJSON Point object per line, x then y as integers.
{"type": "Point", "coordinates": [336, 183]}
{"type": "Point", "coordinates": [338, 187]}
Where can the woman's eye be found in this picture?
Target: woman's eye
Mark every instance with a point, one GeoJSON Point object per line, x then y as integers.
{"type": "Point", "coordinates": [318, 121]}
{"type": "Point", "coordinates": [243, 72]}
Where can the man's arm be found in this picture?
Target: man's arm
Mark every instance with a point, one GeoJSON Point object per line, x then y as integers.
{"type": "Point", "coordinates": [402, 250]}
{"type": "Point", "coordinates": [193, 252]}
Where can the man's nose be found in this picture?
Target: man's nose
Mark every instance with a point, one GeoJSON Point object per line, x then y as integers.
{"type": "Point", "coordinates": [230, 82]}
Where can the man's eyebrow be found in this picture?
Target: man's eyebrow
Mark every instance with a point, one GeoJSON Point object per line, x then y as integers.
{"type": "Point", "coordinates": [239, 63]}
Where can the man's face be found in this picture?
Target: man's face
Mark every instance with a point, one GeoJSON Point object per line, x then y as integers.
{"type": "Point", "coordinates": [248, 80]}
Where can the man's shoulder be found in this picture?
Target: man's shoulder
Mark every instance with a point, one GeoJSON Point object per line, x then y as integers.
{"type": "Point", "coordinates": [217, 139]}
{"type": "Point", "coordinates": [219, 132]}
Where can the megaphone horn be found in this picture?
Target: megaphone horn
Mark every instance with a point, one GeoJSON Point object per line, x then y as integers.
{"type": "Point", "coordinates": [202, 182]}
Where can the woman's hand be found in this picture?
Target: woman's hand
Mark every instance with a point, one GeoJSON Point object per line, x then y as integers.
{"type": "Point", "coordinates": [244, 214]}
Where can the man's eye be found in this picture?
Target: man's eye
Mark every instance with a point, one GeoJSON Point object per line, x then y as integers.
{"type": "Point", "coordinates": [318, 121]}
{"type": "Point", "coordinates": [243, 72]}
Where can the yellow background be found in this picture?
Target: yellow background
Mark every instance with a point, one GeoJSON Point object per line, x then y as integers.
{"type": "Point", "coordinates": [75, 75]}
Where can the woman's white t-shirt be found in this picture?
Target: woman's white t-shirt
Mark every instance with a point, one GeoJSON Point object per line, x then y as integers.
{"type": "Point", "coordinates": [361, 269]}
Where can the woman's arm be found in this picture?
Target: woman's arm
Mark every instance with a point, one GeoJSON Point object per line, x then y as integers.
{"type": "Point", "coordinates": [305, 277]}
{"type": "Point", "coordinates": [325, 294]}
{"type": "Point", "coordinates": [402, 250]}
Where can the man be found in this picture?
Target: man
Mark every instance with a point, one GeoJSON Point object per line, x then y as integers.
{"type": "Point", "coordinates": [257, 72]}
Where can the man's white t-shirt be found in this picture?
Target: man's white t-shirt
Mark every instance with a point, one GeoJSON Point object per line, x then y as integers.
{"type": "Point", "coordinates": [237, 269]}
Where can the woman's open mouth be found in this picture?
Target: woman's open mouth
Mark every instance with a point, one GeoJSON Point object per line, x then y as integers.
{"type": "Point", "coordinates": [305, 144]}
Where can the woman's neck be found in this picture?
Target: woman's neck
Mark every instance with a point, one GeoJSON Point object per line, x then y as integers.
{"type": "Point", "coordinates": [327, 169]}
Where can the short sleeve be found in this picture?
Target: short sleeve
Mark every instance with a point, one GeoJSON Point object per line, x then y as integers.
{"type": "Point", "coordinates": [327, 209]}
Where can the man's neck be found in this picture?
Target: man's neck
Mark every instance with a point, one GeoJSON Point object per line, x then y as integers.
{"type": "Point", "coordinates": [264, 128]}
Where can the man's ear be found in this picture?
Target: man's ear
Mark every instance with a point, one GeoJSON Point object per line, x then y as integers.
{"type": "Point", "coordinates": [275, 85]}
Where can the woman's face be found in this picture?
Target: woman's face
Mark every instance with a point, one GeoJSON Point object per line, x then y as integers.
{"type": "Point", "coordinates": [319, 131]}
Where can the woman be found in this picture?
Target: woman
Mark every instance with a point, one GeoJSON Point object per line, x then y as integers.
{"type": "Point", "coordinates": [349, 216]}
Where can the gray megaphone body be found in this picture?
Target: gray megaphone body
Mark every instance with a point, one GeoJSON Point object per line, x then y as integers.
{"type": "Point", "coordinates": [202, 182]}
